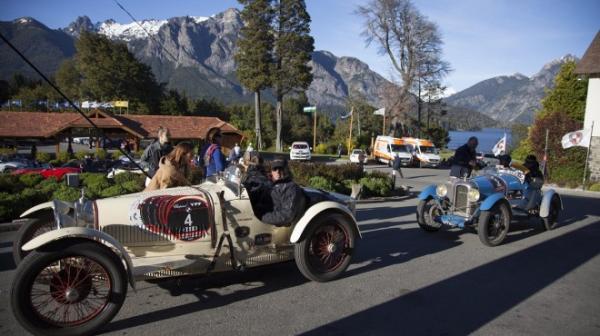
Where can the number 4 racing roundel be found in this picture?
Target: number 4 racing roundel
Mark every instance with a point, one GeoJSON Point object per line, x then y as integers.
{"type": "Point", "coordinates": [185, 218]}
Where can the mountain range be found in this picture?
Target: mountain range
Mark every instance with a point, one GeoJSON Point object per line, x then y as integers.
{"type": "Point", "coordinates": [194, 55]}
{"type": "Point", "coordinates": [510, 99]}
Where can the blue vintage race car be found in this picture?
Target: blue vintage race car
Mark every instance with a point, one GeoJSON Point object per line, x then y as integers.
{"type": "Point", "coordinates": [487, 202]}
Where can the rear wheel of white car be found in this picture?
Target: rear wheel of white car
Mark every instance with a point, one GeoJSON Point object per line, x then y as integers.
{"type": "Point", "coordinates": [553, 213]}
{"type": "Point", "coordinates": [68, 289]}
{"type": "Point", "coordinates": [427, 211]}
{"type": "Point", "coordinates": [30, 230]}
{"type": "Point", "coordinates": [494, 224]}
{"type": "Point", "coordinates": [326, 249]}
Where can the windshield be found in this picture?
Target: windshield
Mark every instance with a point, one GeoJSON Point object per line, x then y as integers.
{"type": "Point", "coordinates": [428, 150]}
{"type": "Point", "coordinates": [299, 146]}
{"type": "Point", "coordinates": [357, 151]}
{"type": "Point", "coordinates": [401, 148]}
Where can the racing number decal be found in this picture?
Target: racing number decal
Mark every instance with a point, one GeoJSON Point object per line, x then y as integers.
{"type": "Point", "coordinates": [185, 218]}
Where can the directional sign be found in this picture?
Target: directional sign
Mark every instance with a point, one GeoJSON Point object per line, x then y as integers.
{"type": "Point", "coordinates": [310, 109]}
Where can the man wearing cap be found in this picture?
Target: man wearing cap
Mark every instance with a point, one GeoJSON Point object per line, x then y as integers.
{"type": "Point", "coordinates": [288, 198]}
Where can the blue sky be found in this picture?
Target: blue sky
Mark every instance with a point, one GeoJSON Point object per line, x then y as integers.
{"type": "Point", "coordinates": [483, 38]}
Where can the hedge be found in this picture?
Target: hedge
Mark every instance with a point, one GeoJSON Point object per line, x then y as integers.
{"type": "Point", "coordinates": [21, 192]}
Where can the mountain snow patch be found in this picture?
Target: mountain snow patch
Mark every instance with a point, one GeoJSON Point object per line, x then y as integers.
{"type": "Point", "coordinates": [130, 31]}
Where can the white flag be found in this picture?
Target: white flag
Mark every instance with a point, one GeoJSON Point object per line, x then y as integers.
{"type": "Point", "coordinates": [577, 138]}
{"type": "Point", "coordinates": [500, 146]}
{"type": "Point", "coordinates": [381, 111]}
{"type": "Point", "coordinates": [346, 116]}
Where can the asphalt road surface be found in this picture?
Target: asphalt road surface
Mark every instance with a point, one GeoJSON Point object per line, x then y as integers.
{"type": "Point", "coordinates": [402, 281]}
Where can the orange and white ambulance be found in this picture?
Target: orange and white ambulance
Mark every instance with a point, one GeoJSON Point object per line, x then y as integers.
{"type": "Point", "coordinates": [424, 152]}
{"type": "Point", "coordinates": [387, 147]}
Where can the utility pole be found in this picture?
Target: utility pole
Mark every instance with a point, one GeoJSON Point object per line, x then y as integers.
{"type": "Point", "coordinates": [350, 137]}
{"type": "Point", "coordinates": [313, 110]}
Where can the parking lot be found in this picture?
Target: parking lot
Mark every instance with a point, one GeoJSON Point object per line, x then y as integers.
{"type": "Point", "coordinates": [402, 281]}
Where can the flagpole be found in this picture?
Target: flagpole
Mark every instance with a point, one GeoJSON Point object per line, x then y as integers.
{"type": "Point", "coordinates": [587, 156]}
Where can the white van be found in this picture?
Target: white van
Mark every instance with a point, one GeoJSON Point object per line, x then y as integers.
{"type": "Point", "coordinates": [300, 150]}
{"type": "Point", "coordinates": [387, 147]}
{"type": "Point", "coordinates": [425, 152]}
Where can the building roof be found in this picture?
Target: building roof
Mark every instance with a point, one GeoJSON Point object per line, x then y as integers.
{"type": "Point", "coordinates": [590, 63]}
{"type": "Point", "coordinates": [48, 124]}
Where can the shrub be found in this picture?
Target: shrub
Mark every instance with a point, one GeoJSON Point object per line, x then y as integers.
{"type": "Point", "coordinates": [10, 183]}
{"type": "Point", "coordinates": [30, 180]}
{"type": "Point", "coordinates": [65, 193]}
{"type": "Point", "coordinates": [566, 174]}
{"type": "Point", "coordinates": [114, 190]}
{"type": "Point", "coordinates": [127, 177]}
{"type": "Point", "coordinates": [80, 155]}
{"type": "Point", "coordinates": [319, 182]}
{"type": "Point", "coordinates": [43, 157]}
{"type": "Point", "coordinates": [8, 202]}
{"type": "Point", "coordinates": [375, 186]}
{"type": "Point", "coordinates": [595, 187]}
{"type": "Point", "coordinates": [132, 186]}
{"type": "Point", "coordinates": [321, 148]}
{"type": "Point", "coordinates": [8, 151]}
{"type": "Point", "coordinates": [63, 157]}
{"type": "Point", "coordinates": [49, 186]}
{"type": "Point", "coordinates": [101, 154]}
{"type": "Point", "coordinates": [95, 183]}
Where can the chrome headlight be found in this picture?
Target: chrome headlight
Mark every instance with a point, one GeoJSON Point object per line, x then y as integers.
{"type": "Point", "coordinates": [441, 190]}
{"type": "Point", "coordinates": [473, 195]}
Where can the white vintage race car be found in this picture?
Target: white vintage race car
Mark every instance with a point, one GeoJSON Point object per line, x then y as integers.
{"type": "Point", "coordinates": [76, 259]}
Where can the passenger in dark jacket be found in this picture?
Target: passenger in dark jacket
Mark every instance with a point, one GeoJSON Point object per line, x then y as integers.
{"type": "Point", "coordinates": [288, 199]}
{"type": "Point", "coordinates": [465, 159]}
{"type": "Point", "coordinates": [257, 184]}
{"type": "Point", "coordinates": [155, 151]}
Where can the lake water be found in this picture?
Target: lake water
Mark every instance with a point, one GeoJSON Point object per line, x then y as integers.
{"type": "Point", "coordinates": [487, 137]}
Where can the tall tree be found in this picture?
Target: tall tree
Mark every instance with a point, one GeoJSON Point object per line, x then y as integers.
{"type": "Point", "coordinates": [292, 52]}
{"type": "Point", "coordinates": [412, 43]}
{"type": "Point", "coordinates": [253, 56]}
{"type": "Point", "coordinates": [109, 71]}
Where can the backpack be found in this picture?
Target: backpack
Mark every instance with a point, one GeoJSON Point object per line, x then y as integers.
{"type": "Point", "coordinates": [208, 155]}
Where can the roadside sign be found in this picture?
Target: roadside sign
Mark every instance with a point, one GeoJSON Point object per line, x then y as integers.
{"type": "Point", "coordinates": [310, 109]}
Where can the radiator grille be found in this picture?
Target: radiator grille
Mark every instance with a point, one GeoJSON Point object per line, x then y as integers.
{"type": "Point", "coordinates": [461, 203]}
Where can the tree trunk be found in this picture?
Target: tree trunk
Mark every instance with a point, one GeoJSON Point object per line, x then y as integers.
{"type": "Point", "coordinates": [278, 114]}
{"type": "Point", "coordinates": [257, 120]}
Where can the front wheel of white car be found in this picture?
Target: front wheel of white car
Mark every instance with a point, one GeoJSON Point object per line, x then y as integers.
{"type": "Point", "coordinates": [326, 249]}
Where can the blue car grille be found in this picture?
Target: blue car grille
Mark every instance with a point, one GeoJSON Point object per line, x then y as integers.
{"type": "Point", "coordinates": [461, 202]}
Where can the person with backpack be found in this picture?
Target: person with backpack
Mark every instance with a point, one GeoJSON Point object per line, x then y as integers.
{"type": "Point", "coordinates": [213, 160]}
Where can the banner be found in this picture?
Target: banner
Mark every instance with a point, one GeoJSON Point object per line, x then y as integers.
{"type": "Point", "coordinates": [381, 111]}
{"type": "Point", "coordinates": [500, 146]}
{"type": "Point", "coordinates": [577, 138]}
{"type": "Point", "coordinates": [121, 103]}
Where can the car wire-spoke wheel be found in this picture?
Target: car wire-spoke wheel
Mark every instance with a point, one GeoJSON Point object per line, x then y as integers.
{"type": "Point", "coordinates": [553, 213]}
{"type": "Point", "coordinates": [326, 250]}
{"type": "Point", "coordinates": [68, 289]}
{"type": "Point", "coordinates": [427, 213]}
{"type": "Point", "coordinates": [494, 224]}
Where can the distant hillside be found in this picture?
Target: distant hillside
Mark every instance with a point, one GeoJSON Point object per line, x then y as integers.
{"type": "Point", "coordinates": [45, 47]}
{"type": "Point", "coordinates": [508, 99]}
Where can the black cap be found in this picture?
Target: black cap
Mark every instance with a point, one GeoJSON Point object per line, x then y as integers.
{"type": "Point", "coordinates": [278, 163]}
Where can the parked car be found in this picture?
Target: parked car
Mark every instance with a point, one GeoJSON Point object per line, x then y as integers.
{"type": "Point", "coordinates": [425, 154]}
{"type": "Point", "coordinates": [300, 150]}
{"type": "Point", "coordinates": [49, 171]}
{"type": "Point", "coordinates": [123, 166]}
{"type": "Point", "coordinates": [73, 278]}
{"type": "Point", "coordinates": [358, 156]}
{"type": "Point", "coordinates": [487, 202]}
{"type": "Point", "coordinates": [14, 164]}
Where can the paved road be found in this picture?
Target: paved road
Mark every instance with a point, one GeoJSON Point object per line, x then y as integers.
{"type": "Point", "coordinates": [402, 281]}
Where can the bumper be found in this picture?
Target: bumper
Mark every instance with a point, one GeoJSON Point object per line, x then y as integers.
{"type": "Point", "coordinates": [300, 156]}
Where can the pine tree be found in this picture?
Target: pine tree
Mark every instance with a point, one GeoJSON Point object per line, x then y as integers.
{"type": "Point", "coordinates": [253, 56]}
{"type": "Point", "coordinates": [292, 51]}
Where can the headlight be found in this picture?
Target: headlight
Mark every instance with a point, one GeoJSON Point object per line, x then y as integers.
{"type": "Point", "coordinates": [473, 195]}
{"type": "Point", "coordinates": [441, 190]}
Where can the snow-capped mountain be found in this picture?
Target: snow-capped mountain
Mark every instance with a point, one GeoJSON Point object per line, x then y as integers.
{"type": "Point", "coordinates": [513, 98]}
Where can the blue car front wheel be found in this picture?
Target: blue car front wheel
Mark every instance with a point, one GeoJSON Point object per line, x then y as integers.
{"type": "Point", "coordinates": [427, 211]}
{"type": "Point", "coordinates": [494, 224]}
